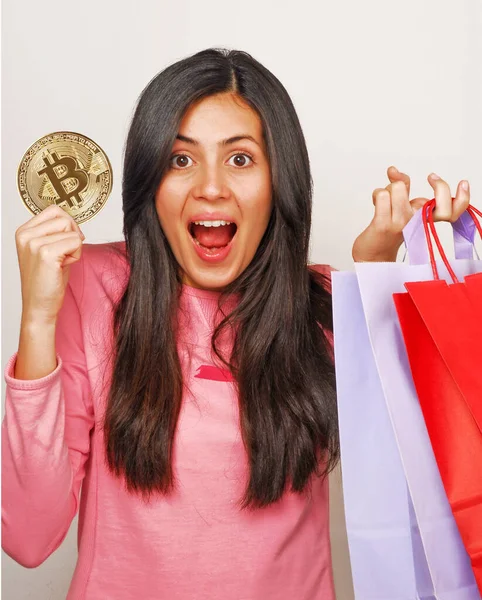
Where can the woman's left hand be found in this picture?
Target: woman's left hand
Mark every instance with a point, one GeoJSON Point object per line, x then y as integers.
{"type": "Point", "coordinates": [382, 239]}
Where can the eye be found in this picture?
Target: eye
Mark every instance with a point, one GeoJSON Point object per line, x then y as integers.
{"type": "Point", "coordinates": [181, 161]}
{"type": "Point", "coordinates": [176, 162]}
{"type": "Point", "coordinates": [243, 156]}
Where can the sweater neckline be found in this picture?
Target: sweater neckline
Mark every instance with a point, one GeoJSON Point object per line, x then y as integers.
{"type": "Point", "coordinates": [206, 303]}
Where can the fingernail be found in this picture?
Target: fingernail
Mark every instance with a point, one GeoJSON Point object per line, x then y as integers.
{"type": "Point", "coordinates": [434, 176]}
{"type": "Point", "coordinates": [465, 185]}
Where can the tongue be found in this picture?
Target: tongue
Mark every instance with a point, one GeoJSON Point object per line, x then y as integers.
{"type": "Point", "coordinates": [213, 237]}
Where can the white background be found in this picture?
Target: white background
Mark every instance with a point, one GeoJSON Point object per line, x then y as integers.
{"type": "Point", "coordinates": [375, 83]}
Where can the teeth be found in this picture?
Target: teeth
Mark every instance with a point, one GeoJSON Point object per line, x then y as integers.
{"type": "Point", "coordinates": [212, 223]}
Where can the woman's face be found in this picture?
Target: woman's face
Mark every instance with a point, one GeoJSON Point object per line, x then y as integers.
{"type": "Point", "coordinates": [218, 171]}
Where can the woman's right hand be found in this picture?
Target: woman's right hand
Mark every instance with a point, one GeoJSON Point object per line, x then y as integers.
{"type": "Point", "coordinates": [47, 244]}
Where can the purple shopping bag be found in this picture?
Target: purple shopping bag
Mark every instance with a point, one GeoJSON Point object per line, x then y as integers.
{"type": "Point", "coordinates": [441, 568]}
{"type": "Point", "coordinates": [386, 553]}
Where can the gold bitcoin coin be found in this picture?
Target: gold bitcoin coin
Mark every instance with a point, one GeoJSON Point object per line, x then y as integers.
{"type": "Point", "coordinates": [67, 169]}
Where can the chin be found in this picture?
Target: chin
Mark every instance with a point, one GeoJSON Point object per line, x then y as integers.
{"type": "Point", "coordinates": [212, 281]}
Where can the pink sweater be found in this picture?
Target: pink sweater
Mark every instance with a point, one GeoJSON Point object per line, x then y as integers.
{"type": "Point", "coordinates": [194, 545]}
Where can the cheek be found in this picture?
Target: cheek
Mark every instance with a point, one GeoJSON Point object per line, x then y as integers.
{"type": "Point", "coordinates": [260, 207]}
{"type": "Point", "coordinates": [256, 215]}
{"type": "Point", "coordinates": [257, 194]}
{"type": "Point", "coordinates": [168, 208]}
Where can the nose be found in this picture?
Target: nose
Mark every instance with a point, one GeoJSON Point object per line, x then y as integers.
{"type": "Point", "coordinates": [210, 184]}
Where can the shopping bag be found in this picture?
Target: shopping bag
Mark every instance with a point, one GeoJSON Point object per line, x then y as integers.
{"type": "Point", "coordinates": [447, 559]}
{"type": "Point", "coordinates": [442, 330]}
{"type": "Point", "coordinates": [453, 317]}
{"type": "Point", "coordinates": [386, 553]}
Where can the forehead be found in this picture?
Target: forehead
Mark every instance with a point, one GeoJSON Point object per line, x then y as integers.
{"type": "Point", "coordinates": [218, 117]}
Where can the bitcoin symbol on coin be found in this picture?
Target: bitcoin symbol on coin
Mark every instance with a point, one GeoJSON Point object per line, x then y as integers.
{"type": "Point", "coordinates": [60, 170]}
{"type": "Point", "coordinates": [67, 169]}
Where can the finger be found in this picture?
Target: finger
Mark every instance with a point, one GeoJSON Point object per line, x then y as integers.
{"type": "Point", "coordinates": [462, 200]}
{"type": "Point", "coordinates": [443, 198]}
{"type": "Point", "coordinates": [51, 240]}
{"type": "Point", "coordinates": [395, 175]}
{"type": "Point", "coordinates": [53, 211]}
{"type": "Point", "coordinates": [383, 209]}
{"type": "Point", "coordinates": [50, 212]}
{"type": "Point", "coordinates": [375, 194]}
{"type": "Point", "coordinates": [48, 228]}
{"type": "Point", "coordinates": [63, 248]}
{"type": "Point", "coordinates": [401, 209]}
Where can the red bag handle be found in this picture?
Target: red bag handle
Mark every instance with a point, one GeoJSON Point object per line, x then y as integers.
{"type": "Point", "coordinates": [427, 215]}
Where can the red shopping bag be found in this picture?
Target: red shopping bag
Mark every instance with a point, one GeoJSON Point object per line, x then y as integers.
{"type": "Point", "coordinates": [442, 330]}
{"type": "Point", "coordinates": [474, 284]}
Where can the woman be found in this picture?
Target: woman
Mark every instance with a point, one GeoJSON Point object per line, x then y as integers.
{"type": "Point", "coordinates": [185, 377]}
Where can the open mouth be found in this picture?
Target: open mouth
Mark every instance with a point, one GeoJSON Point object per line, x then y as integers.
{"type": "Point", "coordinates": [214, 237]}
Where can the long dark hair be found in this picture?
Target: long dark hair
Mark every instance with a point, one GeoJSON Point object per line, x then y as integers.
{"type": "Point", "coordinates": [281, 359]}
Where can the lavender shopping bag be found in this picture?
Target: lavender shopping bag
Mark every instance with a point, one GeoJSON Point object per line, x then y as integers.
{"type": "Point", "coordinates": [386, 554]}
{"type": "Point", "coordinates": [399, 521]}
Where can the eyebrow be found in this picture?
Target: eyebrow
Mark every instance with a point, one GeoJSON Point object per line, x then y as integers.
{"type": "Point", "coordinates": [226, 142]}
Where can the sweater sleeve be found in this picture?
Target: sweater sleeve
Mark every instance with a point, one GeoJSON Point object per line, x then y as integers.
{"type": "Point", "coordinates": [45, 443]}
